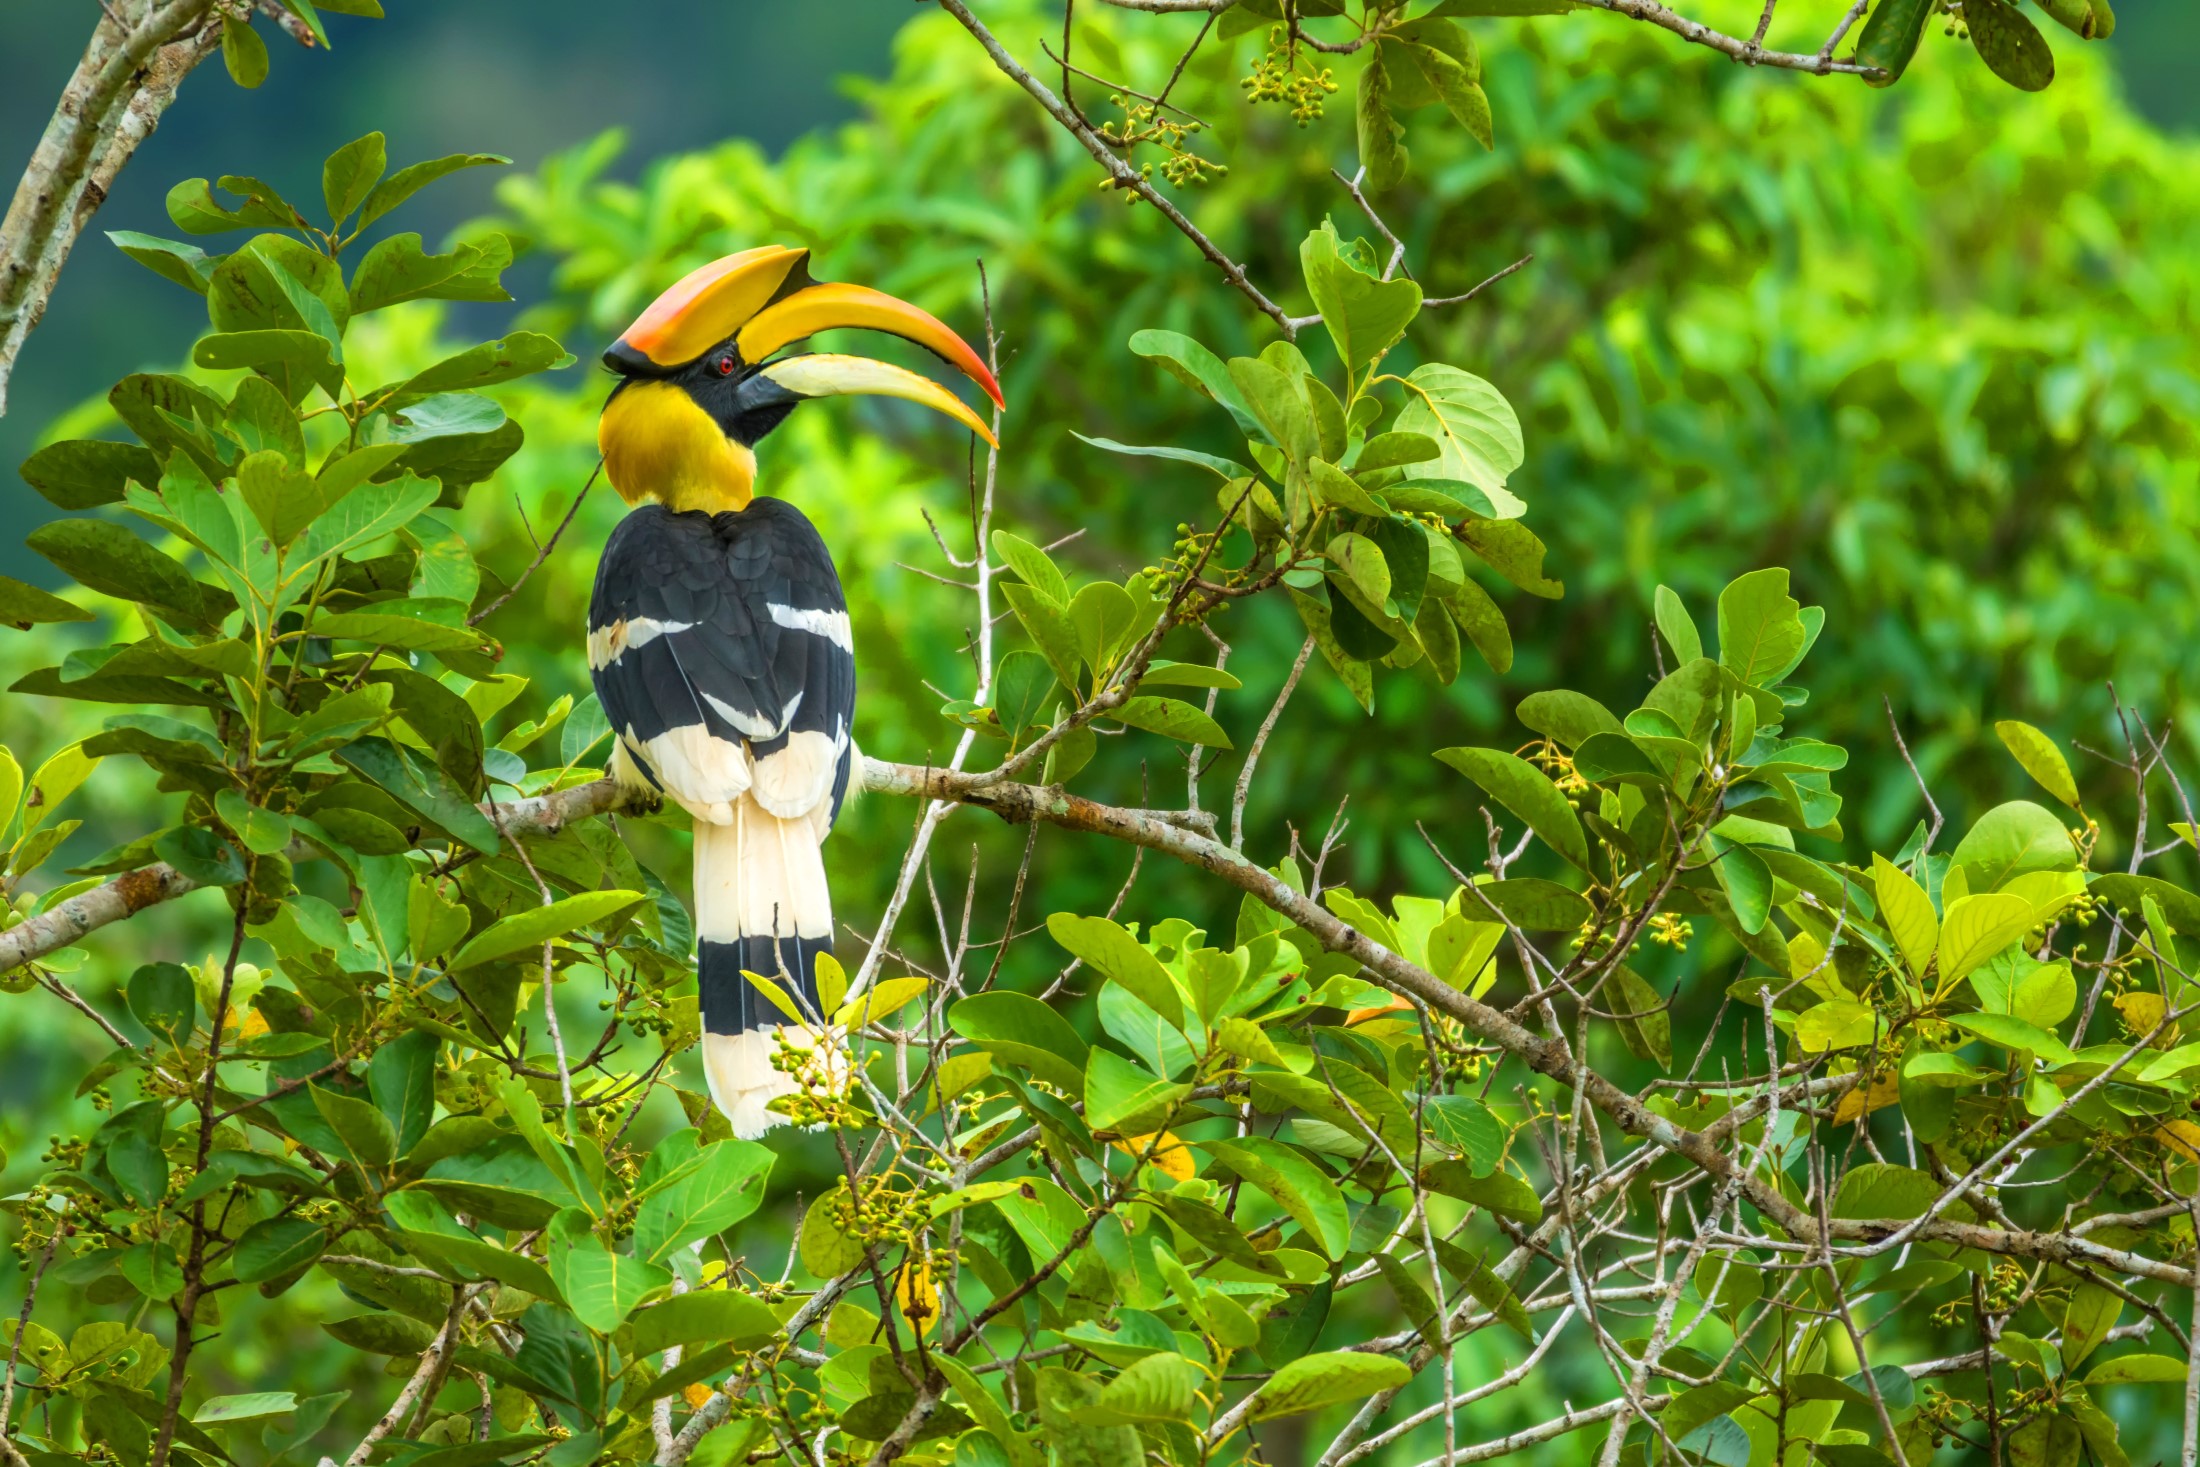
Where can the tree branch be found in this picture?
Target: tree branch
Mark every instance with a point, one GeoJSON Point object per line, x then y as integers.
{"type": "Point", "coordinates": [1119, 172]}
{"type": "Point", "coordinates": [111, 104]}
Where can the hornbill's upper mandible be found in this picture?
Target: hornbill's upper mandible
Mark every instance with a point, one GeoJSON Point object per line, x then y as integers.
{"type": "Point", "coordinates": [718, 636]}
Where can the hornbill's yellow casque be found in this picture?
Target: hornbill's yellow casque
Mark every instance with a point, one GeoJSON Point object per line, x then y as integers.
{"type": "Point", "coordinates": [718, 636]}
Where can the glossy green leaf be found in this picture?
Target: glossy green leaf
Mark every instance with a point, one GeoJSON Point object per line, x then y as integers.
{"type": "Point", "coordinates": [1528, 793]}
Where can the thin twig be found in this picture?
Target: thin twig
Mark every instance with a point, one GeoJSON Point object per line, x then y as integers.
{"type": "Point", "coordinates": [1461, 299]}
{"type": "Point", "coordinates": [541, 555]}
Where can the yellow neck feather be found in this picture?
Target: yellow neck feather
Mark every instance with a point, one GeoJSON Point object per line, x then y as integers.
{"type": "Point", "coordinates": [658, 445]}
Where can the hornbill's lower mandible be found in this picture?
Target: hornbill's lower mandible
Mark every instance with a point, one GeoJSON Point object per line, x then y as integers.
{"type": "Point", "coordinates": [718, 636]}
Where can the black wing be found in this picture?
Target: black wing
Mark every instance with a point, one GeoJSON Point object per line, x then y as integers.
{"type": "Point", "coordinates": [721, 629]}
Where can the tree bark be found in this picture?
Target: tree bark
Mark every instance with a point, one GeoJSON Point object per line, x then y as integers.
{"type": "Point", "coordinates": [138, 56]}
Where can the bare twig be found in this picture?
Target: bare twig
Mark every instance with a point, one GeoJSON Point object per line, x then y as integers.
{"type": "Point", "coordinates": [541, 555]}
{"type": "Point", "coordinates": [1465, 296]}
{"type": "Point", "coordinates": [1119, 172]}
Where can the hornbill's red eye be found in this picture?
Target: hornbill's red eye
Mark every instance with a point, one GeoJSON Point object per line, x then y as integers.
{"type": "Point", "coordinates": [724, 365]}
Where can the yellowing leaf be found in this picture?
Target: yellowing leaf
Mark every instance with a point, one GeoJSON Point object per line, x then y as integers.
{"type": "Point", "coordinates": [917, 1297]}
{"type": "Point", "coordinates": [1840, 1023]}
{"type": "Point", "coordinates": [1883, 1090]}
{"type": "Point", "coordinates": [2039, 757]}
{"type": "Point", "coordinates": [1978, 927]}
{"type": "Point", "coordinates": [1171, 1156]}
{"type": "Point", "coordinates": [1907, 912]}
{"type": "Point", "coordinates": [2182, 1137]}
{"type": "Point", "coordinates": [2141, 1013]}
{"type": "Point", "coordinates": [879, 1001]}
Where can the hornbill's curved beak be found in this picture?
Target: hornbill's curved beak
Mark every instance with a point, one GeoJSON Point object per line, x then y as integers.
{"type": "Point", "coordinates": [754, 303]}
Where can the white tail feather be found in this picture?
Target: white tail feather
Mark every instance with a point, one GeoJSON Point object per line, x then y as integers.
{"type": "Point", "coordinates": [758, 876]}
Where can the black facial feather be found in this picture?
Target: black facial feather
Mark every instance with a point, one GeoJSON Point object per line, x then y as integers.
{"type": "Point", "coordinates": [746, 404]}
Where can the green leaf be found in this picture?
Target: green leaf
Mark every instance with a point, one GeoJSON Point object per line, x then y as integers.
{"type": "Point", "coordinates": [1760, 626]}
{"type": "Point", "coordinates": [186, 264]}
{"type": "Point", "coordinates": [1228, 469]}
{"type": "Point", "coordinates": [201, 855]}
{"type": "Point", "coordinates": [1976, 928]}
{"type": "Point", "coordinates": [191, 205]}
{"type": "Point", "coordinates": [1022, 1031]}
{"type": "Point", "coordinates": [1567, 718]}
{"type": "Point", "coordinates": [528, 929]}
{"type": "Point", "coordinates": [255, 1406]}
{"type": "Point", "coordinates": [1314, 1381]}
{"type": "Point", "coordinates": [1839, 1023]}
{"type": "Point", "coordinates": [1500, 1192]}
{"type": "Point", "coordinates": [2010, 45]}
{"type": "Point", "coordinates": [1362, 563]}
{"type": "Point", "coordinates": [2087, 1318]}
{"type": "Point", "coordinates": [397, 269]}
{"type": "Point", "coordinates": [723, 1187]}
{"type": "Point", "coordinates": [2012, 1033]}
{"type": "Point", "coordinates": [109, 559]}
{"type": "Point", "coordinates": [1382, 157]}
{"type": "Point", "coordinates": [1747, 882]}
{"type": "Point", "coordinates": [350, 174]}
{"type": "Point", "coordinates": [601, 1286]}
{"type": "Point", "coordinates": [406, 182]}
{"type": "Point", "coordinates": [1458, 89]}
{"type": "Point", "coordinates": [1334, 487]}
{"type": "Point", "coordinates": [1295, 1184]}
{"type": "Point", "coordinates": [1277, 400]}
{"type": "Point", "coordinates": [828, 1250]}
{"type": "Point", "coordinates": [1161, 1387]}
{"type": "Point", "coordinates": [1195, 365]}
{"type": "Point", "coordinates": [2037, 753]}
{"type": "Point", "coordinates": [1474, 427]}
{"type": "Point", "coordinates": [281, 1245]}
{"type": "Point", "coordinates": [1364, 316]}
{"type": "Point", "coordinates": [1524, 790]}
{"type": "Point", "coordinates": [1109, 947]}
{"type": "Point", "coordinates": [1172, 719]}
{"type": "Point", "coordinates": [521, 354]}
{"type": "Point", "coordinates": [243, 52]}
{"type": "Point", "coordinates": [705, 1316]}
{"type": "Point", "coordinates": [1877, 1189]}
{"type": "Point", "coordinates": [383, 1334]}
{"type": "Point", "coordinates": [358, 512]}
{"type": "Point", "coordinates": [1162, 673]}
{"type": "Point", "coordinates": [1677, 627]}
{"type": "Point", "coordinates": [2012, 839]}
{"type": "Point", "coordinates": [366, 1133]}
{"type": "Point", "coordinates": [1533, 903]}
{"type": "Point", "coordinates": [1033, 565]}
{"type": "Point", "coordinates": [1124, 1099]}
{"type": "Point", "coordinates": [1907, 913]}
{"type": "Point", "coordinates": [1890, 37]}
{"type": "Point", "coordinates": [84, 473]}
{"type": "Point", "coordinates": [2137, 1370]}
{"type": "Point", "coordinates": [1489, 1291]}
{"type": "Point", "coordinates": [424, 790]}
{"type": "Point", "coordinates": [1644, 1022]}
{"type": "Point", "coordinates": [401, 1079]}
{"type": "Point", "coordinates": [139, 1167]}
{"type": "Point", "coordinates": [162, 998]}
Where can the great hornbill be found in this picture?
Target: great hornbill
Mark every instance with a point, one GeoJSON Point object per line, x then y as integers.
{"type": "Point", "coordinates": [718, 636]}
